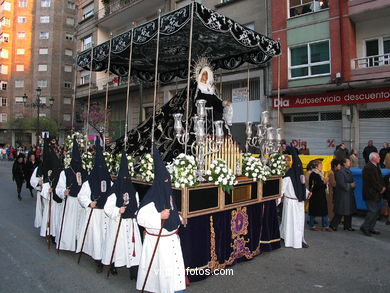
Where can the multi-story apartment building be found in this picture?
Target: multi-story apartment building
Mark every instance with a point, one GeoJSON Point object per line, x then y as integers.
{"type": "Point", "coordinates": [334, 72]}
{"type": "Point", "coordinates": [37, 50]}
{"type": "Point", "coordinates": [97, 19]}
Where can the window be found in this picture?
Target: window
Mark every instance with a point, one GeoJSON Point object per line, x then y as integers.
{"type": "Point", "coordinates": [84, 77]}
{"type": "Point", "coordinates": [250, 25]}
{"type": "Point", "coordinates": [19, 116]}
{"type": "Point", "coordinates": [66, 117]}
{"type": "Point", "coordinates": [86, 43]}
{"type": "Point", "coordinates": [45, 3]}
{"type": "Point", "coordinates": [3, 102]}
{"type": "Point", "coordinates": [67, 101]}
{"type": "Point", "coordinates": [22, 3]}
{"type": "Point", "coordinates": [42, 67]}
{"type": "Point", "coordinates": [69, 37]}
{"type": "Point", "coordinates": [147, 111]}
{"type": "Point", "coordinates": [68, 68]}
{"type": "Point", "coordinates": [21, 35]}
{"type": "Point", "coordinates": [70, 21]}
{"type": "Point", "coordinates": [3, 117]}
{"type": "Point", "coordinates": [42, 114]}
{"type": "Point", "coordinates": [378, 50]}
{"type": "Point", "coordinates": [44, 35]}
{"type": "Point", "coordinates": [4, 37]}
{"type": "Point", "coordinates": [67, 84]}
{"type": "Point", "coordinates": [42, 83]}
{"type": "Point", "coordinates": [19, 100]}
{"type": "Point", "coordinates": [4, 21]}
{"type": "Point", "coordinates": [43, 51]}
{"type": "Point", "coordinates": [299, 7]}
{"type": "Point", "coordinates": [308, 60]}
{"type": "Point", "coordinates": [42, 100]}
{"type": "Point", "coordinates": [71, 5]}
{"type": "Point", "coordinates": [22, 19]}
{"type": "Point", "coordinates": [19, 51]}
{"type": "Point", "coordinates": [6, 6]}
{"type": "Point", "coordinates": [3, 85]}
{"type": "Point", "coordinates": [19, 67]}
{"type": "Point", "coordinates": [19, 83]}
{"type": "Point", "coordinates": [3, 69]}
{"type": "Point", "coordinates": [44, 19]}
{"type": "Point", "coordinates": [69, 52]}
{"type": "Point", "coordinates": [88, 10]}
{"type": "Point", "coordinates": [3, 53]}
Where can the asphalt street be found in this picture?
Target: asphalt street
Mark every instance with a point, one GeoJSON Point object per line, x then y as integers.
{"type": "Point", "coordinates": [335, 262]}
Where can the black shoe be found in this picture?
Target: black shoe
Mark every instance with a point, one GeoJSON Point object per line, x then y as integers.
{"type": "Point", "coordinates": [19, 197]}
{"type": "Point", "coordinates": [99, 268]}
{"type": "Point", "coordinates": [32, 195]}
{"type": "Point", "coordinates": [349, 229]}
{"type": "Point", "coordinates": [113, 271]}
{"type": "Point", "coordinates": [333, 228]}
{"type": "Point", "coordinates": [53, 240]}
{"type": "Point", "coordinates": [133, 272]}
{"type": "Point", "coordinates": [305, 245]}
{"type": "Point", "coordinates": [375, 232]}
{"type": "Point", "coordinates": [365, 232]}
{"type": "Point", "coordinates": [387, 222]}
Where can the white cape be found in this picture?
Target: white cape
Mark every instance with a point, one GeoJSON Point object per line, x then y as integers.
{"type": "Point", "coordinates": [167, 273]}
{"type": "Point", "coordinates": [34, 181]}
{"type": "Point", "coordinates": [54, 210]}
{"type": "Point", "coordinates": [127, 253]}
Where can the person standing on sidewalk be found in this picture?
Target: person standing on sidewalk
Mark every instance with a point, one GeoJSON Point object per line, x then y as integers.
{"type": "Point", "coordinates": [18, 173]}
{"type": "Point", "coordinates": [373, 189]}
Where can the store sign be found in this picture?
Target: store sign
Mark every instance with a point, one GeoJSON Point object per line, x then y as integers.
{"type": "Point", "coordinates": [239, 95]}
{"type": "Point", "coordinates": [334, 98]}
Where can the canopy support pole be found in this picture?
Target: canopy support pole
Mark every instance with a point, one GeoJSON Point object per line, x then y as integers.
{"type": "Point", "coordinates": [248, 91]}
{"type": "Point", "coordinates": [189, 74]}
{"type": "Point", "coordinates": [128, 90]}
{"type": "Point", "coordinates": [279, 91]}
{"type": "Point", "coordinates": [74, 91]}
{"type": "Point", "coordinates": [108, 80]}
{"type": "Point", "coordinates": [155, 78]}
{"type": "Point", "coordinates": [89, 97]}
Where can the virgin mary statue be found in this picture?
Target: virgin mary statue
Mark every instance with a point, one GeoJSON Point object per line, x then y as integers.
{"type": "Point", "coordinates": [201, 87]}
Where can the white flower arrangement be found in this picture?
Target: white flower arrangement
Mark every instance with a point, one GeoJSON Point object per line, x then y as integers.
{"type": "Point", "coordinates": [183, 171]}
{"type": "Point", "coordinates": [130, 162]}
{"type": "Point", "coordinates": [87, 159]}
{"type": "Point", "coordinates": [146, 172]}
{"type": "Point", "coordinates": [110, 161]}
{"type": "Point", "coordinates": [220, 174]}
{"type": "Point", "coordinates": [254, 168]}
{"type": "Point", "coordinates": [277, 164]}
{"type": "Point", "coordinates": [80, 138]}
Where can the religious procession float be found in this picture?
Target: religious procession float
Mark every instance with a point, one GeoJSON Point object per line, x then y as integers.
{"type": "Point", "coordinates": [225, 195]}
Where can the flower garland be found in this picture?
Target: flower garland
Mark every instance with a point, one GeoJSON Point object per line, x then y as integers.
{"type": "Point", "coordinates": [277, 164]}
{"type": "Point", "coordinates": [220, 174]}
{"type": "Point", "coordinates": [254, 168]}
{"type": "Point", "coordinates": [110, 161]}
{"type": "Point", "coordinates": [146, 172]}
{"type": "Point", "coordinates": [183, 171]}
{"type": "Point", "coordinates": [80, 138]}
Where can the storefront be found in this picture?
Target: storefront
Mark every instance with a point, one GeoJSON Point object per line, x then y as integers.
{"type": "Point", "coordinates": [324, 120]}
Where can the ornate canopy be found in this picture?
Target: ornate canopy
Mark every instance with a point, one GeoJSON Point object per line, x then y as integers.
{"type": "Point", "coordinates": [225, 42]}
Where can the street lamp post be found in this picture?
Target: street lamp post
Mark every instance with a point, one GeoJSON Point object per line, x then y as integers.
{"type": "Point", "coordinates": [38, 104]}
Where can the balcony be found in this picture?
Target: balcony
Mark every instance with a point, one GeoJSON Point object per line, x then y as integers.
{"type": "Point", "coordinates": [371, 67]}
{"type": "Point", "coordinates": [362, 10]}
{"type": "Point", "coordinates": [118, 13]}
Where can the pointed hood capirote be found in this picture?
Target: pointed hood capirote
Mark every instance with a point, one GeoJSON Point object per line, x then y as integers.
{"type": "Point", "coordinates": [161, 194]}
{"type": "Point", "coordinates": [75, 174]}
{"type": "Point", "coordinates": [99, 179]}
{"type": "Point", "coordinates": [124, 190]}
{"type": "Point", "coordinates": [296, 174]}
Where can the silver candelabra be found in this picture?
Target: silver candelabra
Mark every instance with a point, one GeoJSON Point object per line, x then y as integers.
{"type": "Point", "coordinates": [198, 147]}
{"type": "Point", "coordinates": [267, 138]}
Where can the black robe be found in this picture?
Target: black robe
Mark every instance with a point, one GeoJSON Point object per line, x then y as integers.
{"type": "Point", "coordinates": [317, 203]}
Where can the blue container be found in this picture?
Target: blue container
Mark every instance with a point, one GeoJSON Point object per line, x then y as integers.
{"type": "Point", "coordinates": [357, 176]}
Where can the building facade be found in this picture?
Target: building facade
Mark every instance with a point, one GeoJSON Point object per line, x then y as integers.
{"type": "Point", "coordinates": [97, 19]}
{"type": "Point", "coordinates": [37, 50]}
{"type": "Point", "coordinates": [334, 72]}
